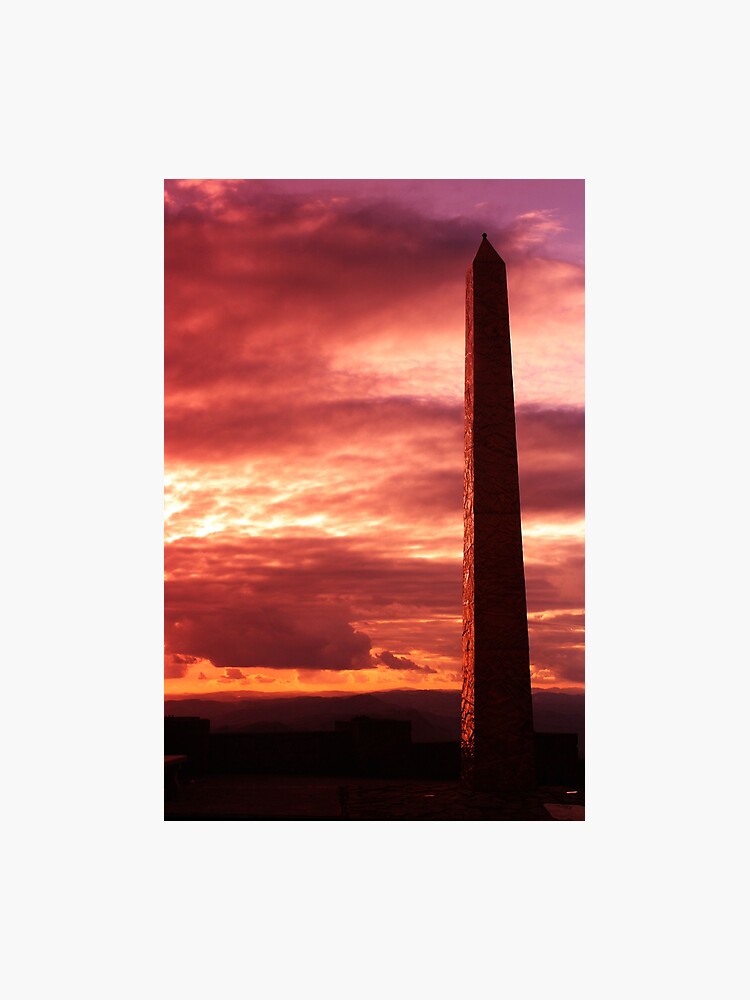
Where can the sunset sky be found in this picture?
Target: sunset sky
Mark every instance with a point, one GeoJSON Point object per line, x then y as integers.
{"type": "Point", "coordinates": [314, 355]}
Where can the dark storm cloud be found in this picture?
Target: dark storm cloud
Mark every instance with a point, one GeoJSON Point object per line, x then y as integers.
{"type": "Point", "coordinates": [290, 602]}
{"type": "Point", "coordinates": [233, 674]}
{"type": "Point", "coordinates": [268, 635]}
{"type": "Point", "coordinates": [394, 662]}
{"type": "Point", "coordinates": [271, 280]}
{"type": "Point", "coordinates": [176, 664]}
{"type": "Point", "coordinates": [306, 271]}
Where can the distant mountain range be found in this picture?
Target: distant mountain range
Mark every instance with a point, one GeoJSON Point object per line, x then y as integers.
{"type": "Point", "coordinates": [434, 715]}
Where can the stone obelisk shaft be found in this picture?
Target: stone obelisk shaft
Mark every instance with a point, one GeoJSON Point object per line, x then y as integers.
{"type": "Point", "coordinates": [497, 736]}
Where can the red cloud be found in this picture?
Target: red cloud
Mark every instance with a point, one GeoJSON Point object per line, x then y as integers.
{"type": "Point", "coordinates": [295, 602]}
{"type": "Point", "coordinates": [314, 427]}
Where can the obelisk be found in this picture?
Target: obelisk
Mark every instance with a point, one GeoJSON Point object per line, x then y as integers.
{"type": "Point", "coordinates": [497, 735]}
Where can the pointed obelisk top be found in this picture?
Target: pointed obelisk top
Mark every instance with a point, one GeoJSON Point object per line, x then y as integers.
{"type": "Point", "coordinates": [486, 253]}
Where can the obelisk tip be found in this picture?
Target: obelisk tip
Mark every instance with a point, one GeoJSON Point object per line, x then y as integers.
{"type": "Point", "coordinates": [486, 254]}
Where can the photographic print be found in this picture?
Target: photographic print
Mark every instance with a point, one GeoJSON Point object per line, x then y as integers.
{"type": "Point", "coordinates": [374, 502]}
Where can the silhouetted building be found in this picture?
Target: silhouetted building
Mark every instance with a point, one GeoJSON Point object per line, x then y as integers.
{"type": "Point", "coordinates": [278, 753]}
{"type": "Point", "coordinates": [189, 736]}
{"type": "Point", "coordinates": [557, 761]}
{"type": "Point", "coordinates": [378, 745]}
{"type": "Point", "coordinates": [357, 747]}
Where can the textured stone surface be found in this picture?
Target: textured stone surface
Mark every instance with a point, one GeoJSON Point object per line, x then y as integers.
{"type": "Point", "coordinates": [497, 738]}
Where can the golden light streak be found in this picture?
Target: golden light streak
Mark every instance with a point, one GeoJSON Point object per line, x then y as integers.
{"type": "Point", "coordinates": [552, 529]}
